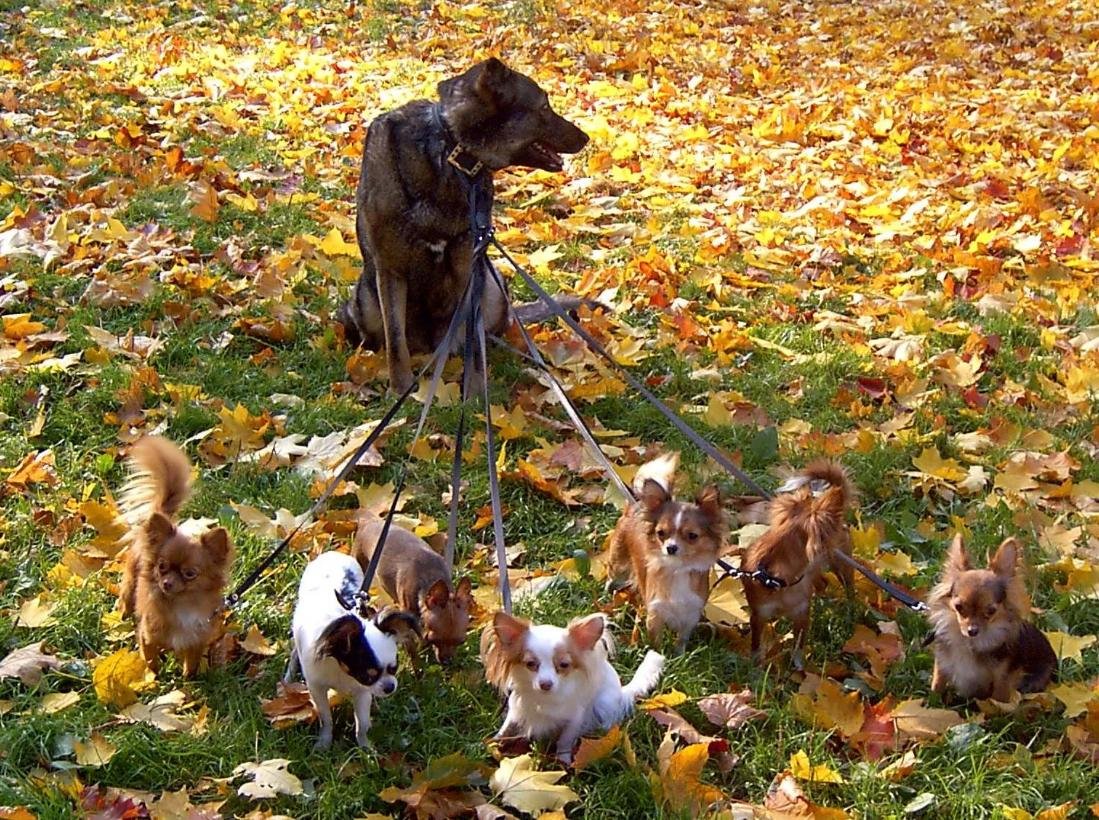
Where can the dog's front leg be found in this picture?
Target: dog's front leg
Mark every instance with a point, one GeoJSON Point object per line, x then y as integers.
{"type": "Point", "coordinates": [393, 295]}
{"type": "Point", "coordinates": [319, 695]}
{"type": "Point", "coordinates": [513, 725]}
{"type": "Point", "coordinates": [566, 742]}
{"type": "Point", "coordinates": [363, 701]}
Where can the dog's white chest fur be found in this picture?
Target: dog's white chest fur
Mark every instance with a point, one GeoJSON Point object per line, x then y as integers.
{"type": "Point", "coordinates": [190, 627]}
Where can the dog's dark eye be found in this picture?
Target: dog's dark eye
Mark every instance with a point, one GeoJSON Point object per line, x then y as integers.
{"type": "Point", "coordinates": [532, 666]}
{"type": "Point", "coordinates": [162, 566]}
{"type": "Point", "coordinates": [391, 669]}
{"type": "Point", "coordinates": [190, 574]}
{"type": "Point", "coordinates": [563, 665]}
{"type": "Point", "coordinates": [990, 611]}
{"type": "Point", "coordinates": [692, 536]}
{"type": "Point", "coordinates": [661, 533]}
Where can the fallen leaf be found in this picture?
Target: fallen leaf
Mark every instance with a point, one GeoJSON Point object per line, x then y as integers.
{"type": "Point", "coordinates": [255, 643]}
{"type": "Point", "coordinates": [1070, 647]}
{"type": "Point", "coordinates": [523, 788]}
{"type": "Point", "coordinates": [802, 770]}
{"type": "Point", "coordinates": [160, 712]}
{"type": "Point", "coordinates": [730, 710]}
{"type": "Point", "coordinates": [270, 778]}
{"type": "Point", "coordinates": [119, 677]}
{"type": "Point", "coordinates": [95, 751]}
{"type": "Point", "coordinates": [56, 701]}
{"type": "Point", "coordinates": [28, 663]}
{"type": "Point", "coordinates": [593, 749]}
{"type": "Point", "coordinates": [918, 722]}
{"type": "Point", "coordinates": [680, 781]}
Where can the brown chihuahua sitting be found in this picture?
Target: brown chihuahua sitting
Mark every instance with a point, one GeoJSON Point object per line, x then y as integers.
{"type": "Point", "coordinates": [417, 579]}
{"type": "Point", "coordinates": [984, 646]}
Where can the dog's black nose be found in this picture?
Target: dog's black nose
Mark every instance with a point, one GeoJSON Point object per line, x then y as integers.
{"type": "Point", "coordinates": [389, 686]}
{"type": "Point", "coordinates": [972, 630]}
{"type": "Point", "coordinates": [671, 549]}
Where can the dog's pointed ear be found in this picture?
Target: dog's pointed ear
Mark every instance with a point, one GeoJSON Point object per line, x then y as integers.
{"type": "Point", "coordinates": [492, 75]}
{"type": "Point", "coordinates": [957, 559]}
{"type": "Point", "coordinates": [586, 632]}
{"type": "Point", "coordinates": [653, 496]}
{"type": "Point", "coordinates": [397, 623]}
{"type": "Point", "coordinates": [216, 544]}
{"type": "Point", "coordinates": [509, 630]}
{"type": "Point", "coordinates": [1005, 561]}
{"type": "Point", "coordinates": [463, 593]}
{"type": "Point", "coordinates": [340, 637]}
{"type": "Point", "coordinates": [709, 501]}
{"type": "Point", "coordinates": [437, 595]}
{"type": "Point", "coordinates": [158, 529]}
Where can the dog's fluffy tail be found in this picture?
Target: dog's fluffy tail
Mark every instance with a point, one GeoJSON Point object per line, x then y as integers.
{"type": "Point", "coordinates": [661, 470]}
{"type": "Point", "coordinates": [531, 313]}
{"type": "Point", "coordinates": [160, 480]}
{"type": "Point", "coordinates": [646, 677]}
{"type": "Point", "coordinates": [819, 476]}
{"type": "Point", "coordinates": [815, 501]}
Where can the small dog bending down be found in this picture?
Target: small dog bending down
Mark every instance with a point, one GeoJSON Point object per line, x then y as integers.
{"type": "Point", "coordinates": [984, 646]}
{"type": "Point", "coordinates": [172, 584]}
{"type": "Point", "coordinates": [412, 217]}
{"type": "Point", "coordinates": [417, 578]}
{"type": "Point", "coordinates": [338, 647]}
{"type": "Point", "coordinates": [667, 548]}
{"type": "Point", "coordinates": [807, 523]}
{"type": "Point", "coordinates": [559, 682]}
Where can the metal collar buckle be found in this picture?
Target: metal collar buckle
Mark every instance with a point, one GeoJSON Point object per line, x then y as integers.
{"type": "Point", "coordinates": [453, 159]}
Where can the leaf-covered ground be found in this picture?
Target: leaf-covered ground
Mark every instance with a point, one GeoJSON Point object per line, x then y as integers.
{"type": "Point", "coordinates": [867, 230]}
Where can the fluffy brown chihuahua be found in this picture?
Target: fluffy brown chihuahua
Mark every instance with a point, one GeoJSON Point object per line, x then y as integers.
{"type": "Point", "coordinates": [667, 547]}
{"type": "Point", "coordinates": [984, 646]}
{"type": "Point", "coordinates": [807, 522]}
{"type": "Point", "coordinates": [417, 579]}
{"type": "Point", "coordinates": [172, 584]}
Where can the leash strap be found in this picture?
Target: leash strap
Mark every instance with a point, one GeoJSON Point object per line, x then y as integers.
{"type": "Point", "coordinates": [234, 598]}
{"type": "Point", "coordinates": [915, 604]}
{"type": "Point", "coordinates": [667, 412]}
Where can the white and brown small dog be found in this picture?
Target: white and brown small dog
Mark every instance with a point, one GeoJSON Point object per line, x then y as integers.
{"type": "Point", "coordinates": [559, 682]}
{"type": "Point", "coordinates": [338, 647]}
{"type": "Point", "coordinates": [667, 548]}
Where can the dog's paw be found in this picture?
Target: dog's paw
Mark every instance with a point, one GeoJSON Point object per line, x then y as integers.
{"type": "Point", "coordinates": [323, 744]}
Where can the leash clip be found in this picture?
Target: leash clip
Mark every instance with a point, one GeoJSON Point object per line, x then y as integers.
{"type": "Point", "coordinates": [453, 159]}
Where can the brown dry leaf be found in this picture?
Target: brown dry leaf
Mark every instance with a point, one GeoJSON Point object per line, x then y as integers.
{"type": "Point", "coordinates": [28, 663]}
{"type": "Point", "coordinates": [824, 703]}
{"type": "Point", "coordinates": [920, 723]}
{"type": "Point", "coordinates": [160, 712]}
{"type": "Point", "coordinates": [35, 468]}
{"type": "Point", "coordinates": [256, 643]}
{"type": "Point", "coordinates": [443, 789]}
{"type": "Point", "coordinates": [786, 799]}
{"type": "Point", "coordinates": [593, 749]}
{"type": "Point", "coordinates": [95, 751]}
{"type": "Point", "coordinates": [730, 710]}
{"type": "Point", "coordinates": [679, 781]}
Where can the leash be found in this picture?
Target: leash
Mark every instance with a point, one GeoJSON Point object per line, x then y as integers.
{"type": "Point", "coordinates": [915, 604]}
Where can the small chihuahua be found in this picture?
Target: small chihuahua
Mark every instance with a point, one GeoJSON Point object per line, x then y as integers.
{"type": "Point", "coordinates": [667, 548]}
{"type": "Point", "coordinates": [559, 682]}
{"type": "Point", "coordinates": [984, 646]}
{"type": "Point", "coordinates": [807, 522]}
{"type": "Point", "coordinates": [337, 645]}
{"type": "Point", "coordinates": [172, 584]}
{"type": "Point", "coordinates": [417, 578]}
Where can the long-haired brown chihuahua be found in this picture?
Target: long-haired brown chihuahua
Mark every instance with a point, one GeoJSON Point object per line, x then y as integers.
{"type": "Point", "coordinates": [984, 646]}
{"type": "Point", "coordinates": [418, 579]}
{"type": "Point", "coordinates": [172, 584]}
{"type": "Point", "coordinates": [667, 548]}
{"type": "Point", "coordinates": [807, 523]}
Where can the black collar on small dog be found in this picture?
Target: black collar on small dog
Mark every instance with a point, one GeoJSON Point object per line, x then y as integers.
{"type": "Point", "coordinates": [459, 156]}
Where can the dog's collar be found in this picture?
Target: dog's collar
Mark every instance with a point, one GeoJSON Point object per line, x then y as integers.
{"type": "Point", "coordinates": [459, 156]}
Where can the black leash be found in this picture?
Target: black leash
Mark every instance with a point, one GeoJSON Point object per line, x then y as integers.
{"type": "Point", "coordinates": [915, 604]}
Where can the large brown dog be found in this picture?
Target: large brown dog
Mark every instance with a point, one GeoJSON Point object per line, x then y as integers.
{"type": "Point", "coordinates": [413, 212]}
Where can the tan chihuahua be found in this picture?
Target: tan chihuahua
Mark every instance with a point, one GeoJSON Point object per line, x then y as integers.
{"type": "Point", "coordinates": [984, 646]}
{"type": "Point", "coordinates": [417, 579]}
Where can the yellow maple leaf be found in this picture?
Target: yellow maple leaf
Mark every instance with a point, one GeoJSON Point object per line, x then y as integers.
{"type": "Point", "coordinates": [1069, 647]}
{"type": "Point", "coordinates": [802, 770]}
{"type": "Point", "coordinates": [519, 785]}
{"type": "Point", "coordinates": [119, 676]}
{"type": "Point", "coordinates": [931, 463]}
{"type": "Point", "coordinates": [666, 699]}
{"type": "Point", "coordinates": [334, 244]}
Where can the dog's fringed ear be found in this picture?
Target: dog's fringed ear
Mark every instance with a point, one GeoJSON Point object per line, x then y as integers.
{"type": "Point", "coordinates": [653, 496]}
{"type": "Point", "coordinates": [492, 75]}
{"type": "Point", "coordinates": [340, 637]}
{"type": "Point", "coordinates": [586, 632]}
{"type": "Point", "coordinates": [397, 622]}
{"type": "Point", "coordinates": [510, 631]}
{"type": "Point", "coordinates": [709, 501]}
{"type": "Point", "coordinates": [463, 593]}
{"type": "Point", "coordinates": [216, 544]}
{"type": "Point", "coordinates": [957, 559]}
{"type": "Point", "coordinates": [475, 85]}
{"type": "Point", "coordinates": [158, 529]}
{"type": "Point", "coordinates": [1005, 561]}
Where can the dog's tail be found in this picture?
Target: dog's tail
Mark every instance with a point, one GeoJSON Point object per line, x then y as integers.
{"type": "Point", "coordinates": [531, 313]}
{"type": "Point", "coordinates": [661, 470]}
{"type": "Point", "coordinates": [160, 480]}
{"type": "Point", "coordinates": [646, 677]}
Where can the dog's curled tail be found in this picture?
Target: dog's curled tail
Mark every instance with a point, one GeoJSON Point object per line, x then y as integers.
{"type": "Point", "coordinates": [820, 476]}
{"type": "Point", "coordinates": [646, 677]}
{"type": "Point", "coordinates": [661, 470]}
{"type": "Point", "coordinates": [160, 480]}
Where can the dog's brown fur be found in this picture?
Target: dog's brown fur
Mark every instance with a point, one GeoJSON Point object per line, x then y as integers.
{"type": "Point", "coordinates": [667, 548]}
{"type": "Point", "coordinates": [413, 213]}
{"type": "Point", "coordinates": [797, 548]}
{"type": "Point", "coordinates": [172, 584]}
{"type": "Point", "coordinates": [983, 644]}
{"type": "Point", "coordinates": [416, 577]}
